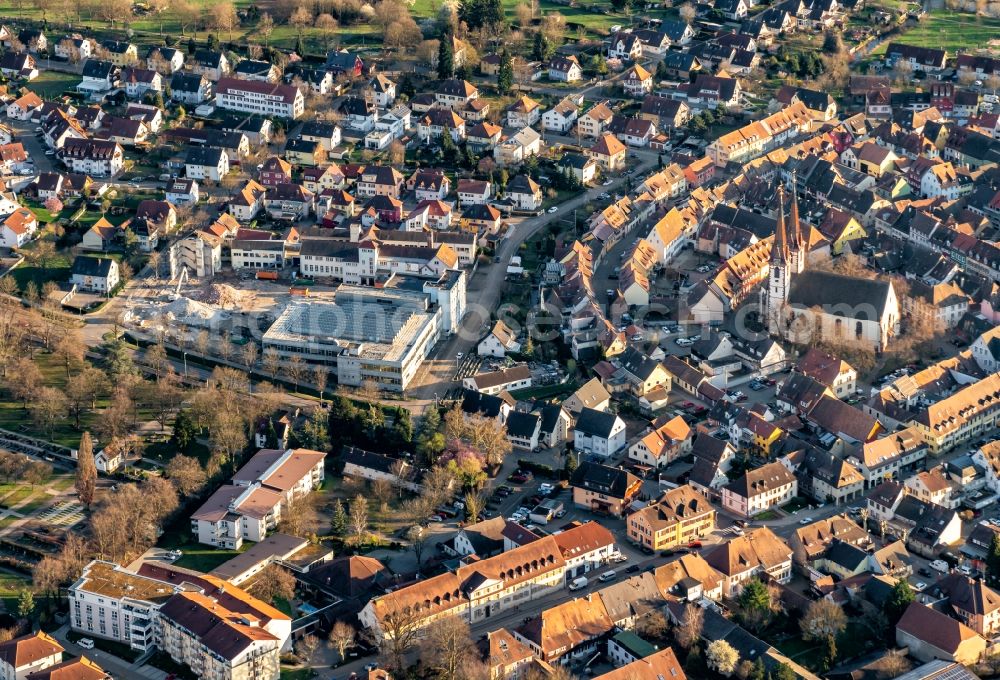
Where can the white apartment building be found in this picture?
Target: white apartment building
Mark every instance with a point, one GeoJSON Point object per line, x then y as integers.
{"type": "Point", "coordinates": [216, 628]}
{"type": "Point", "coordinates": [254, 96]}
{"type": "Point", "coordinates": [251, 506]}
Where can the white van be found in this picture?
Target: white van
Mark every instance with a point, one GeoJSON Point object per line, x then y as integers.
{"type": "Point", "coordinates": [579, 583]}
{"type": "Point", "coordinates": [608, 576]}
{"type": "Point", "coordinates": [939, 565]}
{"type": "Point", "coordinates": [86, 643]}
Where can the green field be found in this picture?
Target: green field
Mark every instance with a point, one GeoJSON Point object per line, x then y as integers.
{"type": "Point", "coordinates": [13, 417]}
{"type": "Point", "coordinates": [50, 84]}
{"type": "Point", "coordinates": [11, 585]}
{"type": "Point", "coordinates": [952, 31]}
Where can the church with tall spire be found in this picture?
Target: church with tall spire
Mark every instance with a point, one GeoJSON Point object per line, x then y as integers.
{"type": "Point", "coordinates": [808, 306]}
{"type": "Point", "coordinates": [788, 258]}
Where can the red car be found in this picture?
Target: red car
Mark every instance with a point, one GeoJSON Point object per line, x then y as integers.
{"type": "Point", "coordinates": [694, 545]}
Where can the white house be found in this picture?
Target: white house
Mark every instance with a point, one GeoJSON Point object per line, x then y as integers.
{"type": "Point", "coordinates": [599, 433]}
{"type": "Point", "coordinates": [763, 488]}
{"type": "Point", "coordinates": [22, 656]}
{"type": "Point", "coordinates": [500, 340]}
{"type": "Point", "coordinates": [204, 162]}
{"type": "Point", "coordinates": [95, 274]}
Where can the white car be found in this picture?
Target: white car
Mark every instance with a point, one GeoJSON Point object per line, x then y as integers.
{"type": "Point", "coordinates": [806, 520]}
{"type": "Point", "coordinates": [919, 586]}
{"type": "Point", "coordinates": [545, 487]}
{"type": "Point", "coordinates": [553, 209]}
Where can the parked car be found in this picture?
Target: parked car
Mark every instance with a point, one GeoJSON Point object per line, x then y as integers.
{"type": "Point", "coordinates": [86, 643]}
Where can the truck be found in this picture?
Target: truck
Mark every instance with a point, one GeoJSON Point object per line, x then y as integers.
{"type": "Point", "coordinates": [578, 583]}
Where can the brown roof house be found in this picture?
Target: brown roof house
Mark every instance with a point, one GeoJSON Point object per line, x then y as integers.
{"type": "Point", "coordinates": [759, 553]}
{"type": "Point", "coordinates": [28, 653]}
{"type": "Point", "coordinates": [929, 635]}
{"type": "Point", "coordinates": [761, 489]}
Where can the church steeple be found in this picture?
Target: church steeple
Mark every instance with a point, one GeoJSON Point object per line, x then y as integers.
{"type": "Point", "coordinates": [779, 250]}
{"type": "Point", "coordinates": [797, 244]}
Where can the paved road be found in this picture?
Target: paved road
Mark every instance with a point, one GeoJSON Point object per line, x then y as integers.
{"type": "Point", "coordinates": [486, 289]}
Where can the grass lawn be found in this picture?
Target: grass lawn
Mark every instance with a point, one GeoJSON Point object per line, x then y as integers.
{"type": "Point", "coordinates": [283, 605]}
{"type": "Point", "coordinates": [796, 503]}
{"type": "Point", "coordinates": [948, 30]}
{"type": "Point", "coordinates": [13, 496]}
{"type": "Point", "coordinates": [50, 84]}
{"type": "Point", "coordinates": [766, 515]}
{"type": "Point", "coordinates": [11, 585]}
{"type": "Point", "coordinates": [296, 673]}
{"type": "Point", "coordinates": [14, 418]}
{"type": "Point", "coordinates": [206, 558]}
{"type": "Point", "coordinates": [163, 661]}
{"type": "Point", "coordinates": [545, 391]}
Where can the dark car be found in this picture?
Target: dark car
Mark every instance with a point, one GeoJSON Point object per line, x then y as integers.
{"type": "Point", "coordinates": [632, 568]}
{"type": "Point", "coordinates": [647, 550]}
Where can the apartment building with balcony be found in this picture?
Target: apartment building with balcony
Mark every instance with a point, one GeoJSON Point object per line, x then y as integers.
{"type": "Point", "coordinates": [251, 506]}
{"type": "Point", "coordinates": [110, 602]}
{"type": "Point", "coordinates": [217, 629]}
{"type": "Point", "coordinates": [680, 516]}
{"type": "Point", "coordinates": [214, 642]}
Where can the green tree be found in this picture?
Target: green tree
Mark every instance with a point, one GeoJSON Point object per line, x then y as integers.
{"type": "Point", "coordinates": [185, 430]}
{"type": "Point", "coordinates": [86, 470]}
{"type": "Point", "coordinates": [338, 521]}
{"type": "Point", "coordinates": [542, 49]}
{"type": "Point", "coordinates": [119, 359]}
{"type": "Point", "coordinates": [899, 599]}
{"type": "Point", "coordinates": [316, 432]}
{"type": "Point", "coordinates": [505, 76]}
{"type": "Point", "coordinates": [993, 561]}
{"type": "Point", "coordinates": [402, 428]}
{"type": "Point", "coordinates": [758, 671]}
{"type": "Point", "coordinates": [783, 672]}
{"type": "Point", "coordinates": [754, 605]}
{"type": "Point", "coordinates": [446, 56]}
{"type": "Point", "coordinates": [25, 604]}
{"type": "Point", "coordinates": [570, 466]}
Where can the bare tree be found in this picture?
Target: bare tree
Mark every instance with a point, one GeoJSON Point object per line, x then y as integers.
{"type": "Point", "coordinates": [359, 518]}
{"type": "Point", "coordinates": [342, 636]}
{"type": "Point", "coordinates": [186, 474]}
{"type": "Point", "coordinates": [688, 631]}
{"type": "Point", "coordinates": [401, 630]}
{"type": "Point", "coordinates": [382, 492]}
{"type": "Point", "coordinates": [265, 27]}
{"type": "Point", "coordinates": [224, 18]}
{"type": "Point", "coordinates": [448, 643]}
{"type": "Point", "coordinates": [272, 583]}
{"type": "Point", "coordinates": [418, 542]}
{"type": "Point", "coordinates": [320, 377]}
{"type": "Point", "coordinates": [687, 12]}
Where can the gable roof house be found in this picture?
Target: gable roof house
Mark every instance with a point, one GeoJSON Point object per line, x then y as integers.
{"type": "Point", "coordinates": [599, 433]}
{"type": "Point", "coordinates": [759, 553]}
{"type": "Point", "coordinates": [678, 517]}
{"type": "Point", "coordinates": [27, 654]}
{"type": "Point", "coordinates": [768, 486]}
{"type": "Point", "coordinates": [928, 634]}
{"type": "Point", "coordinates": [668, 440]}
{"type": "Point", "coordinates": [603, 489]}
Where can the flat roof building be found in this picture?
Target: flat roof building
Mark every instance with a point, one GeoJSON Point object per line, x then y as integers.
{"type": "Point", "coordinates": [365, 334]}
